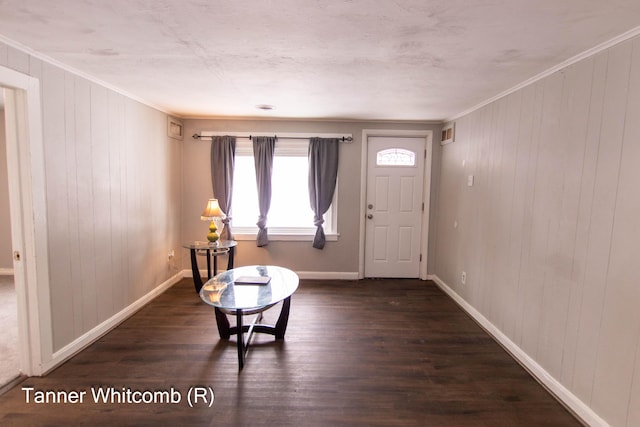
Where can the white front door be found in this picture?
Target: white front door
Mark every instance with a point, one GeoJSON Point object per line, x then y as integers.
{"type": "Point", "coordinates": [395, 176]}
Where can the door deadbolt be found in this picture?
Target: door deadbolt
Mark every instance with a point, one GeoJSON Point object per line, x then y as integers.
{"type": "Point", "coordinates": [370, 206]}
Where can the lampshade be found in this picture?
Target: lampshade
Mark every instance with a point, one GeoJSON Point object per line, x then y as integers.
{"type": "Point", "coordinates": [214, 214]}
{"type": "Point", "coordinates": [212, 211]}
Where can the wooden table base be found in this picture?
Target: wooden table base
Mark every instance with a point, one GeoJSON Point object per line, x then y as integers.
{"type": "Point", "coordinates": [225, 330]}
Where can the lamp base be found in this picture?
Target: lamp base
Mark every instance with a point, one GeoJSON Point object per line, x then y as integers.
{"type": "Point", "coordinates": [213, 237]}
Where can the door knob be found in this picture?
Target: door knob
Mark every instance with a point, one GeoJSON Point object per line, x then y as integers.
{"type": "Point", "coordinates": [370, 216]}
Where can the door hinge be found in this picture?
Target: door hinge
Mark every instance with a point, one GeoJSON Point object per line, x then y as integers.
{"type": "Point", "coordinates": [420, 257]}
{"type": "Point", "coordinates": [422, 206]}
{"type": "Point", "coordinates": [425, 153]}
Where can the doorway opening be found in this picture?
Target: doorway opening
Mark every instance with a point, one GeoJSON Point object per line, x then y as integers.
{"type": "Point", "coordinates": [28, 224]}
{"type": "Point", "coordinates": [9, 336]}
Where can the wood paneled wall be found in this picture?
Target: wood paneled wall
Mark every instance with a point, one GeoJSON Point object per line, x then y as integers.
{"type": "Point", "coordinates": [113, 196]}
{"type": "Point", "coordinates": [549, 234]}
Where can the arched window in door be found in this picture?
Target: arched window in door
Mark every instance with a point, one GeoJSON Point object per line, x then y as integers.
{"type": "Point", "coordinates": [395, 157]}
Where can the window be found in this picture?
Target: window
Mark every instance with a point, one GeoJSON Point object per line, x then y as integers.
{"type": "Point", "coordinates": [290, 216]}
{"type": "Point", "coordinates": [395, 157]}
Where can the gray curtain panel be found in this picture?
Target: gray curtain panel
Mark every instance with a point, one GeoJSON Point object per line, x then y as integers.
{"type": "Point", "coordinates": [223, 152]}
{"type": "Point", "coordinates": [263, 148]}
{"type": "Point", "coordinates": [323, 173]}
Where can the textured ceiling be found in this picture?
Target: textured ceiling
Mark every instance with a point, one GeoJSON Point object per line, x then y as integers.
{"type": "Point", "coordinates": [360, 59]}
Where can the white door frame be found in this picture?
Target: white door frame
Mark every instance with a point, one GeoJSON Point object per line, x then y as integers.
{"type": "Point", "coordinates": [428, 135]}
{"type": "Point", "coordinates": [27, 200]}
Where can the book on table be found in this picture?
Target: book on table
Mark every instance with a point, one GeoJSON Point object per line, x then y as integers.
{"type": "Point", "coordinates": [252, 280]}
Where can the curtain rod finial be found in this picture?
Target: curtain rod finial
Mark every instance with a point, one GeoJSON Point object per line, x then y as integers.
{"type": "Point", "coordinates": [196, 136]}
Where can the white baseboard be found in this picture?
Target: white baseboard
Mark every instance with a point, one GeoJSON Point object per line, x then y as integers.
{"type": "Point", "coordinates": [203, 273]}
{"type": "Point", "coordinates": [328, 275]}
{"type": "Point", "coordinates": [321, 275]}
{"type": "Point", "coordinates": [89, 337]}
{"type": "Point", "coordinates": [6, 271]}
{"type": "Point", "coordinates": [571, 401]}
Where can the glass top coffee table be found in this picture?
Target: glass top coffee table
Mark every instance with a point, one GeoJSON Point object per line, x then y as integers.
{"type": "Point", "coordinates": [246, 291]}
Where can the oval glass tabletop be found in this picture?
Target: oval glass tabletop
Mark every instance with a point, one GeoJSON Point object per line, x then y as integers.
{"type": "Point", "coordinates": [245, 287]}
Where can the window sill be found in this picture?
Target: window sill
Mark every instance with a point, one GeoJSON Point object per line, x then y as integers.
{"type": "Point", "coordinates": [281, 237]}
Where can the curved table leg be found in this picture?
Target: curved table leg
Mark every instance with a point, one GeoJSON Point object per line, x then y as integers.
{"type": "Point", "coordinates": [240, 328]}
{"type": "Point", "coordinates": [240, 339]}
{"type": "Point", "coordinates": [221, 318]}
{"type": "Point", "coordinates": [278, 330]}
{"type": "Point", "coordinates": [224, 328]}
{"type": "Point", "coordinates": [232, 252]}
{"type": "Point", "coordinates": [197, 280]}
{"type": "Point", "coordinates": [283, 319]}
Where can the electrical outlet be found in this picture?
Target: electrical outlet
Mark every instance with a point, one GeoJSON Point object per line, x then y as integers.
{"type": "Point", "coordinates": [171, 260]}
{"type": "Point", "coordinates": [463, 278]}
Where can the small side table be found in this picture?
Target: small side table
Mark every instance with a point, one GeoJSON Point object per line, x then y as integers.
{"type": "Point", "coordinates": [198, 247]}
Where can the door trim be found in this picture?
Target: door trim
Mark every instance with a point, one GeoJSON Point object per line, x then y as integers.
{"type": "Point", "coordinates": [424, 248]}
{"type": "Point", "coordinates": [25, 166]}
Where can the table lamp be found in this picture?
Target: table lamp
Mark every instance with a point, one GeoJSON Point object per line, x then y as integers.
{"type": "Point", "coordinates": [214, 214]}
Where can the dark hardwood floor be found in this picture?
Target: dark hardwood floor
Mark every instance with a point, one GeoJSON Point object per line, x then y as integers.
{"type": "Point", "coordinates": [372, 352]}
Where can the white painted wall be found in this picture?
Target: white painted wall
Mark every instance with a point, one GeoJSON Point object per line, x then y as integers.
{"type": "Point", "coordinates": [6, 262]}
{"type": "Point", "coordinates": [113, 197]}
{"type": "Point", "coordinates": [549, 235]}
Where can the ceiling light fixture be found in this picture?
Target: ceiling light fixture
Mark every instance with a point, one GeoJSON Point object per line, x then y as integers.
{"type": "Point", "coordinates": [265, 107]}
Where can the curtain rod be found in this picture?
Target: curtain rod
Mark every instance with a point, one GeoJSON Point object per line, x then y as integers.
{"type": "Point", "coordinates": [341, 138]}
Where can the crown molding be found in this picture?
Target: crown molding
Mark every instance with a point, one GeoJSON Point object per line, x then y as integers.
{"type": "Point", "coordinates": [574, 59]}
{"type": "Point", "coordinates": [310, 119]}
{"type": "Point", "coordinates": [29, 51]}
